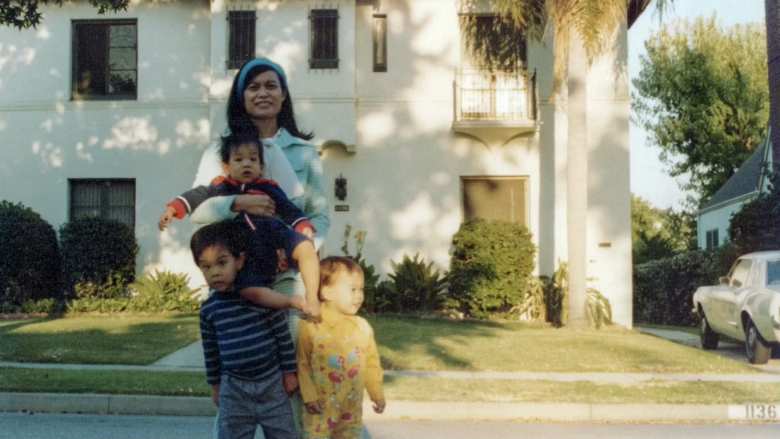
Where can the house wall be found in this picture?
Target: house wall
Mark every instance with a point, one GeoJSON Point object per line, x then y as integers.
{"type": "Point", "coordinates": [47, 138]}
{"type": "Point", "coordinates": [720, 219]}
{"type": "Point", "coordinates": [402, 159]}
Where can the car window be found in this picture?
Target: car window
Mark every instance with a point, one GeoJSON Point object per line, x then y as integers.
{"type": "Point", "coordinates": [740, 273]}
{"type": "Point", "coordinates": [773, 272]}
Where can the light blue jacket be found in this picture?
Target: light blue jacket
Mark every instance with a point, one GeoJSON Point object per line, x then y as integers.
{"type": "Point", "coordinates": [305, 161]}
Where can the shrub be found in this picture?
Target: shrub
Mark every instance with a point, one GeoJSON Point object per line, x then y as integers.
{"type": "Point", "coordinates": [597, 309]}
{"type": "Point", "coordinates": [491, 266]}
{"type": "Point", "coordinates": [415, 286]}
{"type": "Point", "coordinates": [30, 262]}
{"type": "Point", "coordinates": [756, 226]}
{"type": "Point", "coordinates": [663, 289]}
{"type": "Point", "coordinates": [102, 306]}
{"type": "Point", "coordinates": [163, 291]}
{"type": "Point", "coordinates": [98, 251]}
{"type": "Point", "coordinates": [556, 296]}
{"type": "Point", "coordinates": [42, 306]}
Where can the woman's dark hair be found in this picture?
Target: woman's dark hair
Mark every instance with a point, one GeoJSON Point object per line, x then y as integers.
{"type": "Point", "coordinates": [231, 142]}
{"type": "Point", "coordinates": [228, 233]}
{"type": "Point", "coordinates": [239, 122]}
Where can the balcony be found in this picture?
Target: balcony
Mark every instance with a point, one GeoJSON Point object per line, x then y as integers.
{"type": "Point", "coordinates": [494, 106]}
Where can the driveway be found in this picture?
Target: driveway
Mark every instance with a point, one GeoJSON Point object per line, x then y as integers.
{"type": "Point", "coordinates": [726, 348]}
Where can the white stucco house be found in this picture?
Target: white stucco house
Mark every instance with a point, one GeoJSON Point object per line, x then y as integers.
{"type": "Point", "coordinates": [750, 180]}
{"type": "Point", "coordinates": [108, 115]}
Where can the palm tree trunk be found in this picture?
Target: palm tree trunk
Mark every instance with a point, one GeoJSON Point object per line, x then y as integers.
{"type": "Point", "coordinates": [577, 178]}
{"type": "Point", "coordinates": [772, 9]}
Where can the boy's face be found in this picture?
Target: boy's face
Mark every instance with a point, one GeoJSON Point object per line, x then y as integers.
{"type": "Point", "coordinates": [244, 163]}
{"type": "Point", "coordinates": [345, 293]}
{"type": "Point", "coordinates": [219, 267]}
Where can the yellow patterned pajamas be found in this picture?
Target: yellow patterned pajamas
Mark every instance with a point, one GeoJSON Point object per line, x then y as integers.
{"type": "Point", "coordinates": [337, 359]}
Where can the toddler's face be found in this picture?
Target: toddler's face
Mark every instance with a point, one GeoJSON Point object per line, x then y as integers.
{"type": "Point", "coordinates": [244, 163]}
{"type": "Point", "coordinates": [345, 293]}
{"type": "Point", "coordinates": [219, 267]}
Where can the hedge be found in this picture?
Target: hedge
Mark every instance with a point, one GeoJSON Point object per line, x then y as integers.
{"type": "Point", "coordinates": [30, 261]}
{"type": "Point", "coordinates": [663, 289]}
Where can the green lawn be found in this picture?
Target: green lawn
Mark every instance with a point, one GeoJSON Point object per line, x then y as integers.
{"type": "Point", "coordinates": [404, 343]}
{"type": "Point", "coordinates": [401, 388]}
{"type": "Point", "coordinates": [87, 339]}
{"type": "Point", "coordinates": [436, 344]}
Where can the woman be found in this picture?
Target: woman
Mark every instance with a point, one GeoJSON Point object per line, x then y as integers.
{"type": "Point", "coordinates": [260, 100]}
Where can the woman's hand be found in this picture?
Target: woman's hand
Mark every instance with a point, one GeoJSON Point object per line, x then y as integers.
{"type": "Point", "coordinates": [254, 204]}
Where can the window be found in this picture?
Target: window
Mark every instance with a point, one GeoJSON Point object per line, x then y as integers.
{"type": "Point", "coordinates": [495, 198]}
{"type": "Point", "coordinates": [104, 198]}
{"type": "Point", "coordinates": [324, 37]}
{"type": "Point", "coordinates": [712, 239]}
{"type": "Point", "coordinates": [105, 59]}
{"type": "Point", "coordinates": [380, 43]}
{"type": "Point", "coordinates": [241, 44]}
{"type": "Point", "coordinates": [740, 273]}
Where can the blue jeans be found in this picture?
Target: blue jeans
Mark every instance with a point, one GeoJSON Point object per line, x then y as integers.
{"type": "Point", "coordinates": [243, 405]}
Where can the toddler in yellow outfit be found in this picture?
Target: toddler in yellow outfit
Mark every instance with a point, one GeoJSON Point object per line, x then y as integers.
{"type": "Point", "coordinates": [337, 358]}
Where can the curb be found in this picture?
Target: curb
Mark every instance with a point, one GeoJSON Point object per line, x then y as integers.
{"type": "Point", "coordinates": [399, 410]}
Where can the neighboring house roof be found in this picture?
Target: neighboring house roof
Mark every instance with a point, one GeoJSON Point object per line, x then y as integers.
{"type": "Point", "coordinates": [748, 179]}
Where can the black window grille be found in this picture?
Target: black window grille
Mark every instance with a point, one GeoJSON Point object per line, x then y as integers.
{"type": "Point", "coordinates": [324, 39]}
{"type": "Point", "coordinates": [105, 59]}
{"type": "Point", "coordinates": [241, 44]}
{"type": "Point", "coordinates": [103, 198]}
{"type": "Point", "coordinates": [380, 43]}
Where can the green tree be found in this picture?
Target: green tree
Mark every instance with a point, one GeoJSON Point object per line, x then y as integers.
{"type": "Point", "coordinates": [702, 95]}
{"type": "Point", "coordinates": [659, 233]}
{"type": "Point", "coordinates": [23, 14]}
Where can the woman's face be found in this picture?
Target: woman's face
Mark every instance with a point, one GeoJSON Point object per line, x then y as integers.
{"type": "Point", "coordinates": [263, 96]}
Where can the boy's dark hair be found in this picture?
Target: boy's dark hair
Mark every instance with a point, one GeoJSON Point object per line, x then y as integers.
{"type": "Point", "coordinates": [332, 265]}
{"type": "Point", "coordinates": [232, 141]}
{"type": "Point", "coordinates": [229, 234]}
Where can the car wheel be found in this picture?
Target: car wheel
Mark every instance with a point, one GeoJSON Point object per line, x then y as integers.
{"type": "Point", "coordinates": [709, 338]}
{"type": "Point", "coordinates": [756, 349]}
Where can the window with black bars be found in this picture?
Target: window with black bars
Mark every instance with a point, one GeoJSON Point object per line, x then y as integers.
{"type": "Point", "coordinates": [103, 198]}
{"type": "Point", "coordinates": [105, 59]}
{"type": "Point", "coordinates": [380, 42]}
{"type": "Point", "coordinates": [324, 39]}
{"type": "Point", "coordinates": [241, 44]}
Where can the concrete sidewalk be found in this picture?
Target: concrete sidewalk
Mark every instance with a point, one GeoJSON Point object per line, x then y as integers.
{"type": "Point", "coordinates": [189, 359]}
{"type": "Point", "coordinates": [410, 410]}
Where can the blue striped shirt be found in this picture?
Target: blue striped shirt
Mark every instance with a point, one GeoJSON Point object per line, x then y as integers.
{"type": "Point", "coordinates": [244, 340]}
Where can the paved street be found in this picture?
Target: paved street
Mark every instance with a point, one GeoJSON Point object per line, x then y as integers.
{"type": "Point", "coordinates": [41, 426]}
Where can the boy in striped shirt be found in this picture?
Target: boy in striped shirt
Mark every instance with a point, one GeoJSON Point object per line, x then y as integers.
{"type": "Point", "coordinates": [248, 350]}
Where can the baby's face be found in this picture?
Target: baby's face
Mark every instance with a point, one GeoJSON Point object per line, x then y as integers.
{"type": "Point", "coordinates": [244, 163]}
{"type": "Point", "coordinates": [345, 293]}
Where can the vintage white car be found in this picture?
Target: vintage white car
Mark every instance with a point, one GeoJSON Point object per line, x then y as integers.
{"type": "Point", "coordinates": [745, 306]}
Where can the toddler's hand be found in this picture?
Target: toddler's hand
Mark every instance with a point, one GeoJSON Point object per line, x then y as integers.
{"type": "Point", "coordinates": [281, 261]}
{"type": "Point", "coordinates": [166, 218]}
{"type": "Point", "coordinates": [314, 408]}
{"type": "Point", "coordinates": [290, 383]}
{"type": "Point", "coordinates": [312, 311]}
{"type": "Point", "coordinates": [379, 406]}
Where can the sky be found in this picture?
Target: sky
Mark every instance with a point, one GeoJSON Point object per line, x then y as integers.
{"type": "Point", "coordinates": [649, 178]}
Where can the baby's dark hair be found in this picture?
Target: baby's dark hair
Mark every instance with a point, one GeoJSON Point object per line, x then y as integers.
{"type": "Point", "coordinates": [231, 142]}
{"type": "Point", "coordinates": [229, 234]}
{"type": "Point", "coordinates": [332, 265]}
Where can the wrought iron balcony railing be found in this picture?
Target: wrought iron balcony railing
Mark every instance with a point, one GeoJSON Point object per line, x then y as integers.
{"type": "Point", "coordinates": [483, 95]}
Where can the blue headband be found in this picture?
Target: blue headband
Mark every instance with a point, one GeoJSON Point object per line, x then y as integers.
{"type": "Point", "coordinates": [258, 62]}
